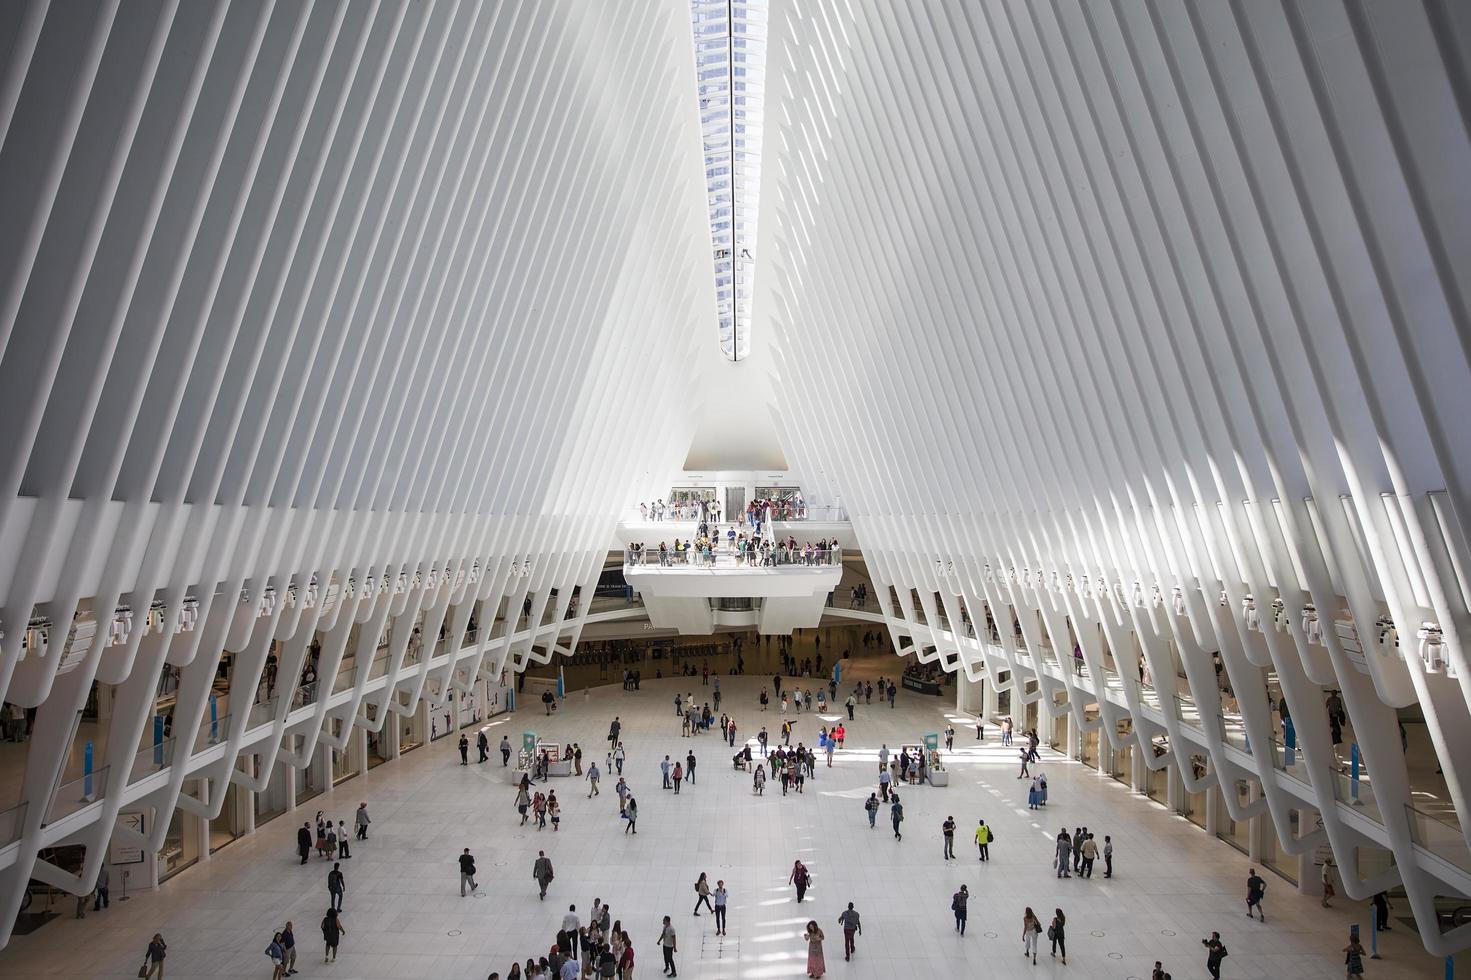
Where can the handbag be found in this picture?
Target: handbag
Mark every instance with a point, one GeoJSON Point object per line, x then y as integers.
{"type": "Point", "coordinates": [143, 970]}
{"type": "Point", "coordinates": [1051, 933]}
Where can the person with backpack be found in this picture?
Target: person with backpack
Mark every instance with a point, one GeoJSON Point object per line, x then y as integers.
{"type": "Point", "coordinates": [1215, 952]}
{"type": "Point", "coordinates": [702, 893]}
{"type": "Point", "coordinates": [1255, 889]}
{"type": "Point", "coordinates": [984, 836]}
{"type": "Point", "coordinates": [332, 933]}
{"type": "Point", "coordinates": [872, 806]}
{"type": "Point", "coordinates": [958, 903]}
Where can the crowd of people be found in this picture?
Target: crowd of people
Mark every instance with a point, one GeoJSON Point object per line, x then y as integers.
{"type": "Point", "coordinates": [703, 549]}
{"type": "Point", "coordinates": [761, 510]}
{"type": "Point", "coordinates": [600, 947]}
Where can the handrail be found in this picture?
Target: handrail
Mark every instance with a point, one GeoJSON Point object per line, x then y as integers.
{"type": "Point", "coordinates": [777, 556]}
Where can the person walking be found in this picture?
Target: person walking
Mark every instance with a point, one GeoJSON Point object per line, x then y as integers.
{"type": "Point", "coordinates": [893, 690]}
{"type": "Point", "coordinates": [1159, 972]}
{"type": "Point", "coordinates": [100, 899]}
{"type": "Point", "coordinates": [1064, 846]}
{"type": "Point", "coordinates": [678, 777]}
{"type": "Point", "coordinates": [541, 870]}
{"type": "Point", "coordinates": [361, 821]}
{"type": "Point", "coordinates": [1380, 901]}
{"type": "Point", "coordinates": [1256, 887]}
{"type": "Point", "coordinates": [722, 897]}
{"type": "Point", "coordinates": [615, 728]}
{"type": "Point", "coordinates": [343, 851]}
{"type": "Point", "coordinates": [482, 747]}
{"type": "Point", "coordinates": [984, 836]}
{"type": "Point", "coordinates": [801, 878]}
{"type": "Point", "coordinates": [816, 965]}
{"type": "Point", "coordinates": [1328, 891]}
{"type": "Point", "coordinates": [669, 942]}
{"type": "Point", "coordinates": [618, 756]}
{"type": "Point", "coordinates": [851, 703]}
{"type": "Point", "coordinates": [1107, 856]}
{"type": "Point", "coordinates": [947, 829]}
{"type": "Point", "coordinates": [949, 738]}
{"type": "Point", "coordinates": [689, 767]}
{"type": "Point", "coordinates": [467, 872]}
{"type": "Point", "coordinates": [730, 732]}
{"type": "Point", "coordinates": [1353, 957]}
{"type": "Point", "coordinates": [336, 886]}
{"type": "Point", "coordinates": [630, 814]}
{"type": "Point", "coordinates": [154, 955]}
{"type": "Point", "coordinates": [896, 816]}
{"type": "Point", "coordinates": [1031, 929]}
{"type": "Point", "coordinates": [702, 893]}
{"type": "Point", "coordinates": [332, 932]}
{"type": "Point", "coordinates": [464, 750]}
{"type": "Point", "coordinates": [872, 806]}
{"type": "Point", "coordinates": [1057, 932]}
{"type": "Point", "coordinates": [958, 903]}
{"type": "Point", "coordinates": [1026, 755]}
{"type": "Point", "coordinates": [1215, 952]}
{"type": "Point", "coordinates": [304, 841]}
{"type": "Point", "coordinates": [505, 751]}
{"type": "Point", "coordinates": [592, 780]}
{"type": "Point", "coordinates": [852, 925]}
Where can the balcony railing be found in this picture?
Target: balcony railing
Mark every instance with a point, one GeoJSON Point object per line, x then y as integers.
{"type": "Point", "coordinates": [777, 557]}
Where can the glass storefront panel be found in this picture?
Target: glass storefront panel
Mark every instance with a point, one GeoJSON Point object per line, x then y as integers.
{"type": "Point", "coordinates": [1272, 854]}
{"type": "Point", "coordinates": [181, 844]}
{"type": "Point", "coordinates": [271, 801]}
{"type": "Point", "coordinates": [309, 781]}
{"type": "Point", "coordinates": [1090, 748]}
{"type": "Point", "coordinates": [1235, 833]}
{"type": "Point", "coordinates": [230, 825]}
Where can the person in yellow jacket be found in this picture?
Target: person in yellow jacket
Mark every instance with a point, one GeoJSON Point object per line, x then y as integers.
{"type": "Point", "coordinates": [984, 837]}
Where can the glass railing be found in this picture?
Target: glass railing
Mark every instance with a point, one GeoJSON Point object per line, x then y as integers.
{"type": "Point", "coordinates": [1357, 792]}
{"type": "Point", "coordinates": [77, 794]}
{"type": "Point", "coordinates": [212, 732]}
{"type": "Point", "coordinates": [305, 694]}
{"type": "Point", "coordinates": [1440, 835]}
{"type": "Point", "coordinates": [344, 679]}
{"type": "Point", "coordinates": [150, 759]}
{"type": "Point", "coordinates": [787, 513]}
{"type": "Point", "coordinates": [12, 824]}
{"type": "Point", "coordinates": [694, 558]}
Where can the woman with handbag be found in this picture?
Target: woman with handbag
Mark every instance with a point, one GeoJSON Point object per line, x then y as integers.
{"type": "Point", "coordinates": [1057, 933]}
{"type": "Point", "coordinates": [1031, 929]}
{"type": "Point", "coordinates": [153, 957]}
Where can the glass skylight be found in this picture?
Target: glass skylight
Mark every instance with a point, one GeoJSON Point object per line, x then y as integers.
{"type": "Point", "coordinates": [730, 61]}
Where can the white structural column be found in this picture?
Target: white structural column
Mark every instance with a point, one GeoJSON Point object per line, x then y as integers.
{"type": "Point", "coordinates": [317, 328]}
{"type": "Point", "coordinates": [1143, 332]}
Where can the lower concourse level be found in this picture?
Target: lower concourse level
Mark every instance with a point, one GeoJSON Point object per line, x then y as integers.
{"type": "Point", "coordinates": [403, 914]}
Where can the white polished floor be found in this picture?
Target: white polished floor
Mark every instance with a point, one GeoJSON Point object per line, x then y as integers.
{"type": "Point", "coordinates": [404, 917]}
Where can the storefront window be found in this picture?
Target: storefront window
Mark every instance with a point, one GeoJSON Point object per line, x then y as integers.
{"type": "Point", "coordinates": [1272, 853]}
{"type": "Point", "coordinates": [1235, 833]}
{"type": "Point", "coordinates": [231, 822]}
{"type": "Point", "coordinates": [180, 845]}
